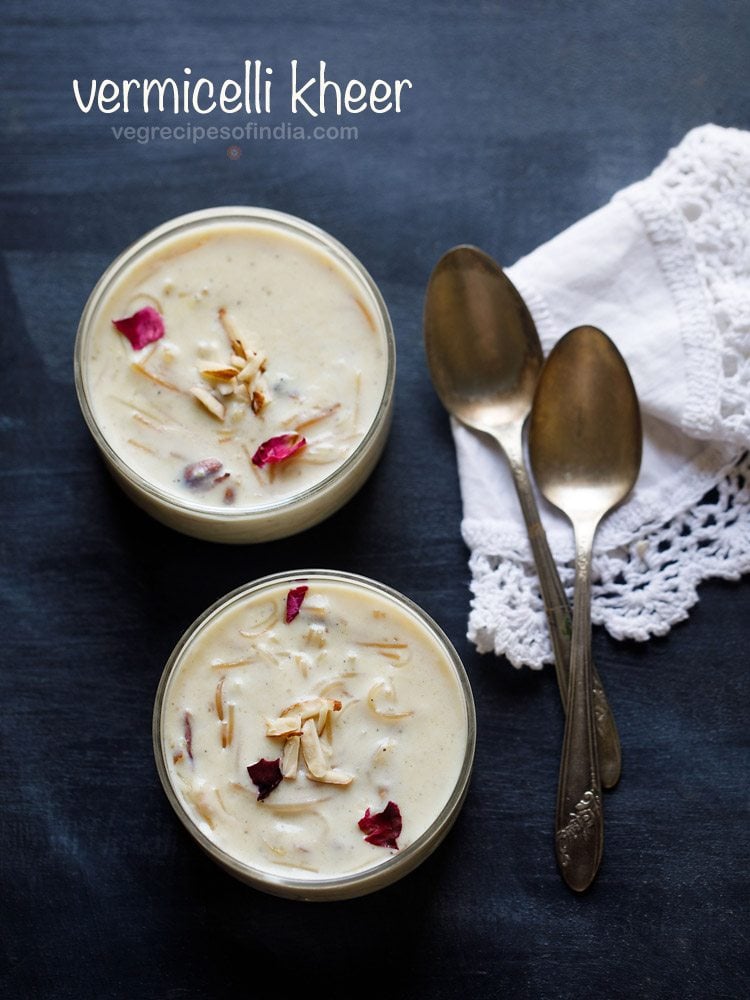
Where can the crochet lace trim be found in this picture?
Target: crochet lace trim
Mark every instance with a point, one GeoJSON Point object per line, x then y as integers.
{"type": "Point", "coordinates": [695, 208]}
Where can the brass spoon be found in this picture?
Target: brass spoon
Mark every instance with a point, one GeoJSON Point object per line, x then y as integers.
{"type": "Point", "coordinates": [585, 447]}
{"type": "Point", "coordinates": [484, 355]}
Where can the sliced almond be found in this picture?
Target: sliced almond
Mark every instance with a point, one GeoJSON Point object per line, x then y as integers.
{"type": "Point", "coordinates": [290, 757]}
{"type": "Point", "coordinates": [312, 751]}
{"type": "Point", "coordinates": [207, 399]}
{"type": "Point", "coordinates": [333, 776]}
{"type": "Point", "coordinates": [312, 707]}
{"type": "Point", "coordinates": [238, 362]}
{"type": "Point", "coordinates": [285, 725]}
{"type": "Point", "coordinates": [322, 720]}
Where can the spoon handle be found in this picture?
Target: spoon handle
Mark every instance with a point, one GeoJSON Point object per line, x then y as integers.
{"type": "Point", "coordinates": [579, 825]}
{"type": "Point", "coordinates": [558, 619]}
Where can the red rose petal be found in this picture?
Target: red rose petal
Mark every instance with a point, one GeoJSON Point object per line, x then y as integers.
{"type": "Point", "coordinates": [265, 775]}
{"type": "Point", "coordinates": [294, 600]}
{"type": "Point", "coordinates": [384, 828]}
{"type": "Point", "coordinates": [142, 328]}
{"type": "Point", "coordinates": [277, 449]}
{"type": "Point", "coordinates": [200, 473]}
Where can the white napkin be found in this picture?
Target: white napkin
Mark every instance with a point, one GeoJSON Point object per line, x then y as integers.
{"type": "Point", "coordinates": [664, 269]}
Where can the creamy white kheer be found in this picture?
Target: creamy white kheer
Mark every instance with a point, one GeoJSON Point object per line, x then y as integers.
{"type": "Point", "coordinates": [355, 711]}
{"type": "Point", "coordinates": [234, 365]}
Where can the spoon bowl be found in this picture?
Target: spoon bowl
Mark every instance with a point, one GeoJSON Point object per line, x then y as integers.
{"type": "Point", "coordinates": [482, 346]}
{"type": "Point", "coordinates": [586, 428]}
{"type": "Point", "coordinates": [585, 443]}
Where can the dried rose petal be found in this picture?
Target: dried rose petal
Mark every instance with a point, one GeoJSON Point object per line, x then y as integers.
{"type": "Point", "coordinates": [265, 775]}
{"type": "Point", "coordinates": [188, 735]}
{"type": "Point", "coordinates": [277, 449]}
{"type": "Point", "coordinates": [384, 828]}
{"type": "Point", "coordinates": [200, 473]}
{"type": "Point", "coordinates": [294, 600]}
{"type": "Point", "coordinates": [142, 328]}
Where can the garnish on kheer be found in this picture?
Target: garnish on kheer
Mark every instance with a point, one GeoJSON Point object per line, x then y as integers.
{"type": "Point", "coordinates": [340, 756]}
{"type": "Point", "coordinates": [237, 345]}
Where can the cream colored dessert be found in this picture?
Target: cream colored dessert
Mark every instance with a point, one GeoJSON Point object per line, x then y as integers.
{"type": "Point", "coordinates": [354, 706]}
{"type": "Point", "coordinates": [268, 366]}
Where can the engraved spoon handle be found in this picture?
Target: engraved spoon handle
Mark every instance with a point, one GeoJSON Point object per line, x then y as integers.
{"type": "Point", "coordinates": [579, 826]}
{"type": "Point", "coordinates": [558, 617]}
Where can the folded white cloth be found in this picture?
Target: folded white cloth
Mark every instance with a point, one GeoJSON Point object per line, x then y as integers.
{"type": "Point", "coordinates": [664, 269]}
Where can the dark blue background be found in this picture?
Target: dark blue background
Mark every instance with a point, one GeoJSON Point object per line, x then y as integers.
{"type": "Point", "coordinates": [523, 116]}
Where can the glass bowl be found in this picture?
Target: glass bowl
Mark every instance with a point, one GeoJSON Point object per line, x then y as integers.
{"type": "Point", "coordinates": [402, 729]}
{"type": "Point", "coordinates": [158, 484]}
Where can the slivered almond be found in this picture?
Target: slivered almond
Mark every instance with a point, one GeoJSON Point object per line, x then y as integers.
{"type": "Point", "coordinates": [290, 757]}
{"type": "Point", "coordinates": [251, 368]}
{"type": "Point", "coordinates": [258, 401]}
{"type": "Point", "coordinates": [207, 399]}
{"type": "Point", "coordinates": [238, 362]}
{"type": "Point", "coordinates": [285, 725]}
{"type": "Point", "coordinates": [231, 331]}
{"type": "Point", "coordinates": [219, 374]}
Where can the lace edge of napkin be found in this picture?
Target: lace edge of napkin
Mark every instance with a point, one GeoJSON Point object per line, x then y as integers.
{"type": "Point", "coordinates": [640, 589]}
{"type": "Point", "coordinates": [695, 207]}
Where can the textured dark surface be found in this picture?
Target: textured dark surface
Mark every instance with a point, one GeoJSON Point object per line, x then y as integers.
{"type": "Point", "coordinates": [523, 117]}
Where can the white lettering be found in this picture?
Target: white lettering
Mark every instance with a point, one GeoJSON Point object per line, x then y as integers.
{"type": "Point", "coordinates": [297, 92]}
{"type": "Point", "coordinates": [92, 94]}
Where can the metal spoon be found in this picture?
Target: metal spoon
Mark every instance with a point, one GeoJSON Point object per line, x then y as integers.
{"type": "Point", "coordinates": [585, 447]}
{"type": "Point", "coordinates": [484, 355]}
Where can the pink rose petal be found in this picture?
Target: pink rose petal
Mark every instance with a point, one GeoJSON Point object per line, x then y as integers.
{"type": "Point", "coordinates": [277, 449]}
{"type": "Point", "coordinates": [265, 775]}
{"type": "Point", "coordinates": [384, 828]}
{"type": "Point", "coordinates": [142, 328]}
{"type": "Point", "coordinates": [294, 600]}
